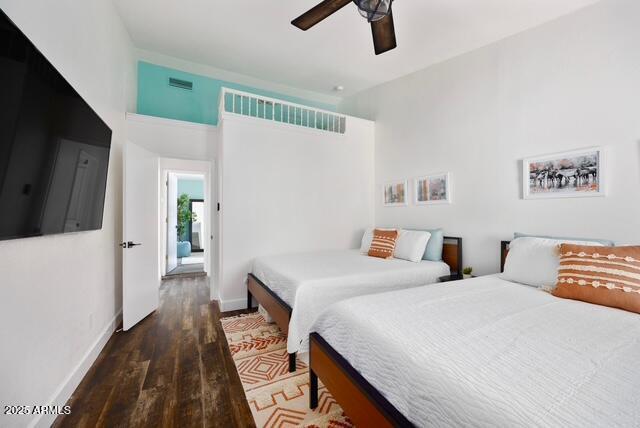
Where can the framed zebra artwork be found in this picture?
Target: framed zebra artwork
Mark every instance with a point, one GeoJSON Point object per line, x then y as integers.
{"type": "Point", "coordinates": [574, 174]}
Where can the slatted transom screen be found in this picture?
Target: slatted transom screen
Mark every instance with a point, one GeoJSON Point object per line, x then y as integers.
{"type": "Point", "coordinates": [247, 104]}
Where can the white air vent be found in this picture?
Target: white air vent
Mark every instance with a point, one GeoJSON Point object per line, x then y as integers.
{"type": "Point", "coordinates": [179, 83]}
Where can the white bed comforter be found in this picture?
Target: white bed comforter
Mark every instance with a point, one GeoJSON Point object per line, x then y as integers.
{"type": "Point", "coordinates": [310, 282]}
{"type": "Point", "coordinates": [492, 353]}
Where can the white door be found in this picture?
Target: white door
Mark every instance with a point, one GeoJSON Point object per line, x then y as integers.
{"type": "Point", "coordinates": [140, 280]}
{"type": "Point", "coordinates": [172, 222]}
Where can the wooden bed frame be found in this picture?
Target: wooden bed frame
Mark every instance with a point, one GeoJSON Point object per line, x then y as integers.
{"type": "Point", "coordinates": [504, 250]}
{"type": "Point", "coordinates": [364, 404]}
{"type": "Point", "coordinates": [280, 311]}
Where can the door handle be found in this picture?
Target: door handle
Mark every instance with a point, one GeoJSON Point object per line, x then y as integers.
{"type": "Point", "coordinates": [128, 244]}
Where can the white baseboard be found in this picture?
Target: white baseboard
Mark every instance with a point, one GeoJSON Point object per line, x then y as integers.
{"type": "Point", "coordinates": [233, 305]}
{"type": "Point", "coordinates": [71, 382]}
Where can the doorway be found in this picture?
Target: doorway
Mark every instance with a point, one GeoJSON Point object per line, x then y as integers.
{"type": "Point", "coordinates": [185, 224]}
{"type": "Point", "coordinates": [185, 214]}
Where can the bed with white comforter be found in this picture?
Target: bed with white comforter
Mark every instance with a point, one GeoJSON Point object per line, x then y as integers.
{"type": "Point", "coordinates": [493, 353]}
{"type": "Point", "coordinates": [310, 282]}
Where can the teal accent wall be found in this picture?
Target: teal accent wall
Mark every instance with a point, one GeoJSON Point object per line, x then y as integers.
{"type": "Point", "coordinates": [200, 105]}
{"type": "Point", "coordinates": [193, 188]}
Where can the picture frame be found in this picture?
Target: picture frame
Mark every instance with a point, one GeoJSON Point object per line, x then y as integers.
{"type": "Point", "coordinates": [571, 174]}
{"type": "Point", "coordinates": [432, 189]}
{"type": "Point", "coordinates": [394, 193]}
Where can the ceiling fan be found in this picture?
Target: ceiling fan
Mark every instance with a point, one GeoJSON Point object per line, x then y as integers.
{"type": "Point", "coordinates": [377, 12]}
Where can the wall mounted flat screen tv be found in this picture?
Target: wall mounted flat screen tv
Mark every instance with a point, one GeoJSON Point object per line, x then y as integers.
{"type": "Point", "coordinates": [54, 149]}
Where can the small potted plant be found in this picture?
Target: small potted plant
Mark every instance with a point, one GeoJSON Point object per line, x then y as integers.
{"type": "Point", "coordinates": [466, 272]}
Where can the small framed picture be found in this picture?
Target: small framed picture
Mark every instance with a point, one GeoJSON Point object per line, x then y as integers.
{"type": "Point", "coordinates": [574, 174]}
{"type": "Point", "coordinates": [395, 193]}
{"type": "Point", "coordinates": [433, 189]}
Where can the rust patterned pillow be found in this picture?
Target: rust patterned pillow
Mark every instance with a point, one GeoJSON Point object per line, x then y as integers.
{"type": "Point", "coordinates": [383, 243]}
{"type": "Point", "coordinates": [608, 276]}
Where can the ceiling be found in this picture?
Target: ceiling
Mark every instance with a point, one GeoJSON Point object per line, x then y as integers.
{"type": "Point", "coordinates": [255, 37]}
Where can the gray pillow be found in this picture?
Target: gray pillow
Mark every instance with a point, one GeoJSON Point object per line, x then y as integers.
{"type": "Point", "coordinates": [433, 251]}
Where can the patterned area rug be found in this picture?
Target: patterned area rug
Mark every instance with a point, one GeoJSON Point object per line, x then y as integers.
{"type": "Point", "coordinates": [276, 397]}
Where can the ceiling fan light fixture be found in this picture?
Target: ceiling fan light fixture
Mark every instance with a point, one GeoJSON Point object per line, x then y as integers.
{"type": "Point", "coordinates": [377, 12]}
{"type": "Point", "coordinates": [374, 10]}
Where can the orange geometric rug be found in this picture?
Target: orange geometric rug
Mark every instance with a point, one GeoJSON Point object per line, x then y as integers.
{"type": "Point", "coordinates": [276, 397]}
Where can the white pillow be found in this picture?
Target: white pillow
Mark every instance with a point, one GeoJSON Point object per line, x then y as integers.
{"type": "Point", "coordinates": [411, 244]}
{"type": "Point", "coordinates": [367, 237]}
{"type": "Point", "coordinates": [535, 261]}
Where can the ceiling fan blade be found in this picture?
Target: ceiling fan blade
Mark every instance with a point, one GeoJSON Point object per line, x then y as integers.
{"type": "Point", "coordinates": [384, 34]}
{"type": "Point", "coordinates": [318, 13]}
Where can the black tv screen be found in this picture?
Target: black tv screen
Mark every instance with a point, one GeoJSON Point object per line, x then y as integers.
{"type": "Point", "coordinates": [54, 149]}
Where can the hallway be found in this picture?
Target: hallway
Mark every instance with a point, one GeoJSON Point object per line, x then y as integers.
{"type": "Point", "coordinates": [173, 369]}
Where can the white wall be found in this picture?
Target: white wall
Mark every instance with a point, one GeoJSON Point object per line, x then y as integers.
{"type": "Point", "coordinates": [568, 84]}
{"type": "Point", "coordinates": [288, 189]}
{"type": "Point", "coordinates": [173, 138]}
{"type": "Point", "coordinates": [60, 295]}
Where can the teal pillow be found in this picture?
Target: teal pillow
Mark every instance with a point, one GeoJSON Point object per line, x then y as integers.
{"type": "Point", "coordinates": [433, 252]}
{"type": "Point", "coordinates": [605, 242]}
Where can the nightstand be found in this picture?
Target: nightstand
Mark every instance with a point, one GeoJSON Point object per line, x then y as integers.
{"type": "Point", "coordinates": [453, 277]}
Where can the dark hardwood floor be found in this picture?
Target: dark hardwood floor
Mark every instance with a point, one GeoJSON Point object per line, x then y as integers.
{"type": "Point", "coordinates": [172, 370]}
